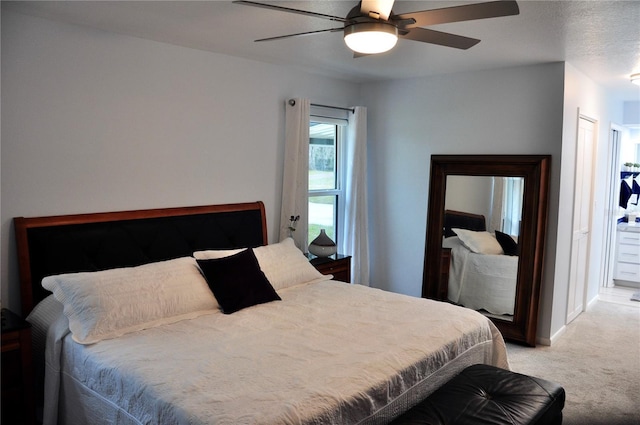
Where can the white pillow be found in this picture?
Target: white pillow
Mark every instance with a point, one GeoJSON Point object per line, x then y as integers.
{"type": "Point", "coordinates": [285, 265]}
{"type": "Point", "coordinates": [213, 254]}
{"type": "Point", "coordinates": [479, 242]}
{"type": "Point", "coordinates": [451, 242]}
{"type": "Point", "coordinates": [111, 303]}
{"type": "Point", "coordinates": [282, 263]}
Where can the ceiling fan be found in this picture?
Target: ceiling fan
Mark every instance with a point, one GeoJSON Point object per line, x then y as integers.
{"type": "Point", "coordinates": [371, 27]}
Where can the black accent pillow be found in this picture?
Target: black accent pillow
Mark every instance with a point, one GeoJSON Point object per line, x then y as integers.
{"type": "Point", "coordinates": [237, 281]}
{"type": "Point", "coordinates": [509, 246]}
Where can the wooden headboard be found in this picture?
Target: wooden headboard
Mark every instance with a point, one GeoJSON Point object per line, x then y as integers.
{"type": "Point", "coordinates": [463, 220]}
{"type": "Point", "coordinates": [99, 241]}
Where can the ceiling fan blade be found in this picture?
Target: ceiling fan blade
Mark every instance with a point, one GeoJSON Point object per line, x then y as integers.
{"type": "Point", "coordinates": [290, 10]}
{"type": "Point", "coordinates": [378, 9]}
{"type": "Point", "coordinates": [439, 38]}
{"type": "Point", "coordinates": [467, 12]}
{"type": "Point", "coordinates": [299, 34]}
{"type": "Point", "coordinates": [357, 55]}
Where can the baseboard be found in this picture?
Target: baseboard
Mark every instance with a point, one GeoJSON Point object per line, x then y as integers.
{"type": "Point", "coordinates": [543, 341]}
{"type": "Point", "coordinates": [592, 302]}
{"type": "Point", "coordinates": [549, 341]}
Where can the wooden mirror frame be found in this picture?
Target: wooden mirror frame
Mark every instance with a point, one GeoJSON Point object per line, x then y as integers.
{"type": "Point", "coordinates": [535, 170]}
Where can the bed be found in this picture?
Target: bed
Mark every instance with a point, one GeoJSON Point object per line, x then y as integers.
{"type": "Point", "coordinates": [483, 267]}
{"type": "Point", "coordinates": [133, 334]}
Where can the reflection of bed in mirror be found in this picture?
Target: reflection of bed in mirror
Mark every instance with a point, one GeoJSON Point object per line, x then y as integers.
{"type": "Point", "coordinates": [480, 275]}
{"type": "Point", "coordinates": [454, 185]}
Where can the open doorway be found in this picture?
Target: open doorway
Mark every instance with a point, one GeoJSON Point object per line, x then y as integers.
{"type": "Point", "coordinates": [612, 211]}
{"type": "Point", "coordinates": [620, 280]}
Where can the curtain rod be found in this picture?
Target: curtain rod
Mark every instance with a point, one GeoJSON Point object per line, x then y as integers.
{"type": "Point", "coordinates": [329, 118]}
{"type": "Point", "coordinates": [292, 102]}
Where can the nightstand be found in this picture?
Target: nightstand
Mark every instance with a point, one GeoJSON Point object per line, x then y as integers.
{"type": "Point", "coordinates": [17, 372]}
{"type": "Point", "coordinates": [337, 265]}
{"type": "Point", "coordinates": [445, 264]}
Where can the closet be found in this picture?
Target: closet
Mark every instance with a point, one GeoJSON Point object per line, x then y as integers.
{"type": "Point", "coordinates": [627, 265]}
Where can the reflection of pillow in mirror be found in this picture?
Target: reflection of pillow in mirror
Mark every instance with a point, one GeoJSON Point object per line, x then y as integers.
{"type": "Point", "coordinates": [451, 242]}
{"type": "Point", "coordinates": [479, 242]}
{"type": "Point", "coordinates": [508, 244]}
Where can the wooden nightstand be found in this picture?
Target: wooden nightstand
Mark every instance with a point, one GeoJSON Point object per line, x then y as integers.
{"type": "Point", "coordinates": [17, 372]}
{"type": "Point", "coordinates": [337, 265]}
{"type": "Point", "coordinates": [445, 264]}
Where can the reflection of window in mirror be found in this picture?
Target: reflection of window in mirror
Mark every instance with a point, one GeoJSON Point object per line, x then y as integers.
{"type": "Point", "coordinates": [509, 205]}
{"type": "Point", "coordinates": [497, 198]}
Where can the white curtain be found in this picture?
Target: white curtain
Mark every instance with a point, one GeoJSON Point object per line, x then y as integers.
{"type": "Point", "coordinates": [496, 216]}
{"type": "Point", "coordinates": [512, 205]}
{"type": "Point", "coordinates": [506, 211]}
{"type": "Point", "coordinates": [295, 185]}
{"type": "Point", "coordinates": [295, 181]}
{"type": "Point", "coordinates": [355, 240]}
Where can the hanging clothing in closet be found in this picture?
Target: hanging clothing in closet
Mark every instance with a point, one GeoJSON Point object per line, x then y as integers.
{"type": "Point", "coordinates": [629, 189]}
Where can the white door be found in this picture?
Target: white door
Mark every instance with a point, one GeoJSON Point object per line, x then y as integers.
{"type": "Point", "coordinates": [579, 266]}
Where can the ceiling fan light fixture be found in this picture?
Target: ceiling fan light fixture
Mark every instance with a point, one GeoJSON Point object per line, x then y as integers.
{"type": "Point", "coordinates": [371, 37]}
{"type": "Point", "coordinates": [635, 78]}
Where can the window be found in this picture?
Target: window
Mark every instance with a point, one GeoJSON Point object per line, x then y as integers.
{"type": "Point", "coordinates": [325, 178]}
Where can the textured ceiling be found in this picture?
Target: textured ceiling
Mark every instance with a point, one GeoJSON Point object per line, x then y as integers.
{"type": "Point", "coordinates": [600, 38]}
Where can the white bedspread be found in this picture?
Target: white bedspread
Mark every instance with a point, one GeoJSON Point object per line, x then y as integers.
{"type": "Point", "coordinates": [329, 352]}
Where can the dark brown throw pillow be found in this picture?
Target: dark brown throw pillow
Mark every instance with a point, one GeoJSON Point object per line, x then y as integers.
{"type": "Point", "coordinates": [237, 281]}
{"type": "Point", "coordinates": [509, 246]}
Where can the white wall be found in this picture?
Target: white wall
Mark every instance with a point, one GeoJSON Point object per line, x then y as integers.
{"type": "Point", "coordinates": [631, 113]}
{"type": "Point", "coordinates": [504, 111]}
{"type": "Point", "coordinates": [470, 194]}
{"type": "Point", "coordinates": [95, 121]}
{"type": "Point", "coordinates": [582, 97]}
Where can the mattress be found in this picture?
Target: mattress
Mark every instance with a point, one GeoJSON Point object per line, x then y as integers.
{"type": "Point", "coordinates": [328, 353]}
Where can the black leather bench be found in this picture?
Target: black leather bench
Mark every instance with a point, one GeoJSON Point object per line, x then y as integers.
{"type": "Point", "coordinates": [483, 394]}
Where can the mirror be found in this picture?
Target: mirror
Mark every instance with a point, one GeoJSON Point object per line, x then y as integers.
{"type": "Point", "coordinates": [481, 194]}
{"type": "Point", "coordinates": [484, 277]}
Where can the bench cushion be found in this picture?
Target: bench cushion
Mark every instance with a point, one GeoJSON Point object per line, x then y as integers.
{"type": "Point", "coordinates": [483, 394]}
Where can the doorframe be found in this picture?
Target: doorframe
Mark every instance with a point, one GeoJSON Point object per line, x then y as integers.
{"type": "Point", "coordinates": [570, 316]}
{"type": "Point", "coordinates": [613, 171]}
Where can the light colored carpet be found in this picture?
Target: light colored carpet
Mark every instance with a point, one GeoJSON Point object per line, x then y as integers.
{"type": "Point", "coordinates": [597, 361]}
